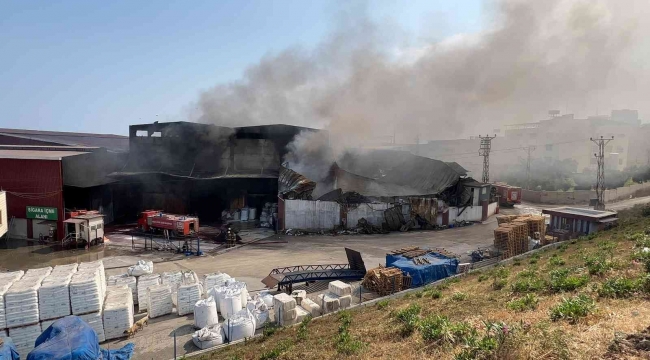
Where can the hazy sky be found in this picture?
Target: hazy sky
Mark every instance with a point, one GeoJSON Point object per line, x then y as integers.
{"type": "Point", "coordinates": [98, 66]}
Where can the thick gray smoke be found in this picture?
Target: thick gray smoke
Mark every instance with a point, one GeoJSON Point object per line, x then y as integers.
{"type": "Point", "coordinates": [362, 84]}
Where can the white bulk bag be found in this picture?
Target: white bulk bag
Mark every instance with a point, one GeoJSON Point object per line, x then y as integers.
{"type": "Point", "coordinates": [239, 326]}
{"type": "Point", "coordinates": [218, 293]}
{"type": "Point", "coordinates": [205, 313]}
{"type": "Point", "coordinates": [208, 337]}
{"type": "Point", "coordinates": [266, 296]}
{"type": "Point", "coordinates": [230, 303]}
{"type": "Point", "coordinates": [214, 279]}
{"type": "Point", "coordinates": [260, 312]}
{"type": "Point", "coordinates": [141, 268]}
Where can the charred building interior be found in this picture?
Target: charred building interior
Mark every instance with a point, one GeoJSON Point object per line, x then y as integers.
{"type": "Point", "coordinates": [204, 170]}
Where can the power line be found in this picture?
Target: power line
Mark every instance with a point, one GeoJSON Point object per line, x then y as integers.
{"type": "Point", "coordinates": [600, 177]}
{"type": "Point", "coordinates": [484, 150]}
{"type": "Point", "coordinates": [529, 149]}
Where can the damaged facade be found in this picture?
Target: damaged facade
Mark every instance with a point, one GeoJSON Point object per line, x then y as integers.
{"type": "Point", "coordinates": [204, 170]}
{"type": "Point", "coordinates": [384, 190]}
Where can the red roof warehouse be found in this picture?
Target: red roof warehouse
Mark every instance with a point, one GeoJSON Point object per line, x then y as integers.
{"type": "Point", "coordinates": [46, 176]}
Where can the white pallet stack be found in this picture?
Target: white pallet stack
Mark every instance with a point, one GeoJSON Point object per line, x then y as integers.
{"type": "Point", "coordinates": [174, 279]}
{"type": "Point", "coordinates": [159, 300]}
{"type": "Point", "coordinates": [144, 282]}
{"type": "Point", "coordinates": [127, 280]}
{"type": "Point", "coordinates": [6, 280]}
{"type": "Point", "coordinates": [21, 303]}
{"type": "Point", "coordinates": [95, 321]}
{"type": "Point", "coordinates": [54, 293]}
{"type": "Point", "coordinates": [86, 295]}
{"type": "Point", "coordinates": [188, 295]}
{"type": "Point", "coordinates": [118, 311]}
{"type": "Point", "coordinates": [39, 273]}
{"type": "Point", "coordinates": [25, 338]}
{"type": "Point", "coordinates": [98, 266]}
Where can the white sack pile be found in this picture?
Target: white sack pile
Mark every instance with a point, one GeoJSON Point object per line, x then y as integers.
{"type": "Point", "coordinates": [96, 322]}
{"type": "Point", "coordinates": [118, 311]}
{"type": "Point", "coordinates": [6, 280]}
{"type": "Point", "coordinates": [205, 313]}
{"type": "Point", "coordinates": [125, 279]}
{"type": "Point", "coordinates": [86, 291]}
{"type": "Point", "coordinates": [25, 338]}
{"type": "Point", "coordinates": [144, 282]}
{"type": "Point", "coordinates": [54, 293]}
{"type": "Point", "coordinates": [188, 295]}
{"type": "Point", "coordinates": [159, 300]}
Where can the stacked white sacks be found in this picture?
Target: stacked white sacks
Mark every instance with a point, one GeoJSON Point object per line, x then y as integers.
{"type": "Point", "coordinates": [144, 282]}
{"type": "Point", "coordinates": [159, 300]}
{"type": "Point", "coordinates": [118, 311]}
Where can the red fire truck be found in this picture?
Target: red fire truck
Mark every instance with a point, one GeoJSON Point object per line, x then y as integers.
{"type": "Point", "coordinates": [157, 220]}
{"type": "Point", "coordinates": [508, 195]}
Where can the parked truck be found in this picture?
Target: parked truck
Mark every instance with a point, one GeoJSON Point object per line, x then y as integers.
{"type": "Point", "coordinates": [508, 195]}
{"type": "Point", "coordinates": [178, 225]}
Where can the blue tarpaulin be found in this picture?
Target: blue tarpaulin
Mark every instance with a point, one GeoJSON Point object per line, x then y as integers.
{"type": "Point", "coordinates": [8, 349]}
{"type": "Point", "coordinates": [72, 339]}
{"type": "Point", "coordinates": [440, 267]}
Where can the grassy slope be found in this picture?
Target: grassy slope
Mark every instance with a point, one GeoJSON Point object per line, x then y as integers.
{"type": "Point", "coordinates": [533, 335]}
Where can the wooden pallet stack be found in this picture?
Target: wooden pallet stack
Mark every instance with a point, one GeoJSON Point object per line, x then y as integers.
{"type": "Point", "coordinates": [536, 227]}
{"type": "Point", "coordinates": [383, 280]}
{"type": "Point", "coordinates": [521, 242]}
{"type": "Point", "coordinates": [504, 237]}
{"type": "Point", "coordinates": [504, 219]}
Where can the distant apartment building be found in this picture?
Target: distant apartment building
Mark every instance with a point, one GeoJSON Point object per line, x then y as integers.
{"type": "Point", "coordinates": [557, 138]}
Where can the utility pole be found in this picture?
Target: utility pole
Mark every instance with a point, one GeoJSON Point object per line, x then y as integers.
{"type": "Point", "coordinates": [600, 176]}
{"type": "Point", "coordinates": [529, 149]}
{"type": "Point", "coordinates": [484, 150]}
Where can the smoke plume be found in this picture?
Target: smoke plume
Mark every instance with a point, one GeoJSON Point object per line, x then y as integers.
{"type": "Point", "coordinates": [363, 84]}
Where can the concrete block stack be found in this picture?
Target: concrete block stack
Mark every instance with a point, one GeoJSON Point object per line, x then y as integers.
{"type": "Point", "coordinates": [338, 297]}
{"type": "Point", "coordinates": [125, 279]}
{"type": "Point", "coordinates": [54, 293]}
{"type": "Point", "coordinates": [24, 338]}
{"type": "Point", "coordinates": [285, 309]}
{"type": "Point", "coordinates": [188, 295]}
{"type": "Point", "coordinates": [95, 321]}
{"type": "Point", "coordinates": [328, 303]}
{"type": "Point", "coordinates": [311, 307]}
{"type": "Point", "coordinates": [144, 282]}
{"type": "Point", "coordinates": [118, 311]}
{"type": "Point", "coordinates": [159, 300]}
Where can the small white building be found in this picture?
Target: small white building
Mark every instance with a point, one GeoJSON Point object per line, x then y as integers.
{"type": "Point", "coordinates": [4, 223]}
{"type": "Point", "coordinates": [88, 227]}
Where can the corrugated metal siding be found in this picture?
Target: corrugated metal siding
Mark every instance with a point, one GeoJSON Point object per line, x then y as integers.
{"type": "Point", "coordinates": [472, 213]}
{"type": "Point", "coordinates": [317, 215]}
{"type": "Point", "coordinates": [374, 213]}
{"type": "Point", "coordinates": [42, 178]}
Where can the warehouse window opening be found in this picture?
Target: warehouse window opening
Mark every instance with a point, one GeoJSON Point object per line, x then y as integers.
{"type": "Point", "coordinates": [157, 134]}
{"type": "Point", "coordinates": [142, 133]}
